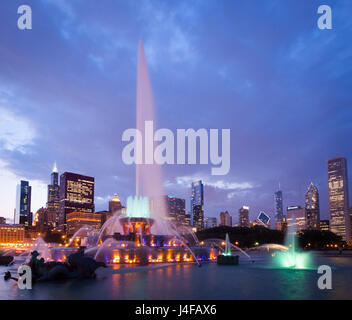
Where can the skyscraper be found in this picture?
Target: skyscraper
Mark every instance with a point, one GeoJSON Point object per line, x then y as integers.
{"type": "Point", "coordinates": [279, 210]}
{"type": "Point", "coordinates": [210, 222]}
{"type": "Point", "coordinates": [53, 198]}
{"type": "Point", "coordinates": [115, 205]}
{"type": "Point", "coordinates": [243, 217]}
{"type": "Point", "coordinates": [324, 225]}
{"type": "Point", "coordinates": [23, 204]}
{"type": "Point", "coordinates": [76, 195]}
{"type": "Point", "coordinates": [225, 219]}
{"type": "Point", "coordinates": [297, 216]}
{"type": "Point", "coordinates": [197, 205]}
{"type": "Point", "coordinates": [175, 208]}
{"type": "Point", "coordinates": [338, 198]}
{"type": "Point", "coordinates": [312, 208]}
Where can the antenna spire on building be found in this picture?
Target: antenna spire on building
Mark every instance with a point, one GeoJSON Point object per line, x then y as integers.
{"type": "Point", "coordinates": [55, 168]}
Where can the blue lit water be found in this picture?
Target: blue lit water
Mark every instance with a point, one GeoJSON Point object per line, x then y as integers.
{"type": "Point", "coordinates": [245, 281]}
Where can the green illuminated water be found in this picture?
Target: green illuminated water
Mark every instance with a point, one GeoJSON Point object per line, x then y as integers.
{"type": "Point", "coordinates": [292, 258]}
{"type": "Point", "coordinates": [138, 207]}
{"type": "Point", "coordinates": [227, 251]}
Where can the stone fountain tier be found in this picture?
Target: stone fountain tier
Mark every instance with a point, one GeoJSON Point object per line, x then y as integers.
{"type": "Point", "coordinates": [136, 225]}
{"type": "Point", "coordinates": [227, 260]}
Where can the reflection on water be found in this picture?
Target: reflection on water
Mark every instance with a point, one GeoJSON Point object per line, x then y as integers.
{"type": "Point", "coordinates": [245, 281]}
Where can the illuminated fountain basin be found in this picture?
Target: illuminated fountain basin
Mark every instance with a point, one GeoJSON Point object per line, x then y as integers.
{"type": "Point", "coordinates": [226, 257]}
{"type": "Point", "coordinates": [137, 245]}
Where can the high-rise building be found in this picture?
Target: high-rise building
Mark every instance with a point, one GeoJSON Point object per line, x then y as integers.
{"type": "Point", "coordinates": [187, 221]}
{"type": "Point", "coordinates": [279, 209]}
{"type": "Point", "coordinates": [44, 218]}
{"type": "Point", "coordinates": [210, 222]}
{"type": "Point", "coordinates": [351, 219]}
{"type": "Point", "coordinates": [115, 205]}
{"type": "Point", "coordinates": [77, 220]}
{"type": "Point", "coordinates": [312, 208]}
{"type": "Point", "coordinates": [324, 225]}
{"type": "Point", "coordinates": [23, 204]}
{"type": "Point", "coordinates": [12, 234]}
{"type": "Point", "coordinates": [338, 198]}
{"type": "Point", "coordinates": [197, 205]}
{"type": "Point", "coordinates": [53, 199]}
{"type": "Point", "coordinates": [175, 208]}
{"type": "Point", "coordinates": [243, 217]}
{"type": "Point", "coordinates": [296, 216]}
{"type": "Point", "coordinates": [76, 195]}
{"type": "Point", "coordinates": [225, 219]}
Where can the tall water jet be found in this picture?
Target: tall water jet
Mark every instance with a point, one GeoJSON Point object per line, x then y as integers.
{"type": "Point", "coordinates": [226, 257]}
{"type": "Point", "coordinates": [227, 251]}
{"type": "Point", "coordinates": [148, 175]}
{"type": "Point", "coordinates": [292, 258]}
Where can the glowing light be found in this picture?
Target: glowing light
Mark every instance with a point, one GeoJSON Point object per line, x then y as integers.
{"type": "Point", "coordinates": [138, 207]}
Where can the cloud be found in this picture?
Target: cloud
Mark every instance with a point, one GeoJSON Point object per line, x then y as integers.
{"type": "Point", "coordinates": [104, 199]}
{"type": "Point", "coordinates": [8, 183]}
{"type": "Point", "coordinates": [16, 132]}
{"type": "Point", "coordinates": [219, 184]}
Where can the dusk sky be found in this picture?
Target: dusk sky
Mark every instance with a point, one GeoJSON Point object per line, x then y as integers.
{"type": "Point", "coordinates": [261, 68]}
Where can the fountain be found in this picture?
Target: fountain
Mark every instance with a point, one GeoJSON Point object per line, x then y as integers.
{"type": "Point", "coordinates": [292, 258]}
{"type": "Point", "coordinates": [141, 236]}
{"type": "Point", "coordinates": [144, 236]}
{"type": "Point", "coordinates": [226, 258]}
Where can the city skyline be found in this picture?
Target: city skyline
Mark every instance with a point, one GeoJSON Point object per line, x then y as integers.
{"type": "Point", "coordinates": [81, 127]}
{"type": "Point", "coordinates": [105, 206]}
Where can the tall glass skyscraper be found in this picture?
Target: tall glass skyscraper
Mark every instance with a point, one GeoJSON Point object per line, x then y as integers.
{"type": "Point", "coordinates": [279, 209]}
{"type": "Point", "coordinates": [23, 204]}
{"type": "Point", "coordinates": [338, 198]}
{"type": "Point", "coordinates": [53, 198]}
{"type": "Point", "coordinates": [197, 205]}
{"type": "Point", "coordinates": [243, 217]}
{"type": "Point", "coordinates": [312, 208]}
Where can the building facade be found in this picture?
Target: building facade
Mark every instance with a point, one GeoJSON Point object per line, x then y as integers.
{"type": "Point", "coordinates": [197, 205]}
{"type": "Point", "coordinates": [324, 225]}
{"type": "Point", "coordinates": [225, 219]}
{"type": "Point", "coordinates": [115, 205]}
{"type": "Point", "coordinates": [312, 208]}
{"type": "Point", "coordinates": [11, 234]}
{"type": "Point", "coordinates": [187, 221]}
{"type": "Point", "coordinates": [243, 217]}
{"type": "Point", "coordinates": [279, 208]}
{"type": "Point", "coordinates": [338, 198]}
{"type": "Point", "coordinates": [53, 201]}
{"type": "Point", "coordinates": [297, 218]}
{"type": "Point", "coordinates": [23, 204]}
{"type": "Point", "coordinates": [175, 208]}
{"type": "Point", "coordinates": [210, 222]}
{"type": "Point", "coordinates": [77, 220]}
{"type": "Point", "coordinates": [76, 195]}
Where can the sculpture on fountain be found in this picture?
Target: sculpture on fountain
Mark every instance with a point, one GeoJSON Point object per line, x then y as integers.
{"type": "Point", "coordinates": [5, 260]}
{"type": "Point", "coordinates": [77, 266]}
